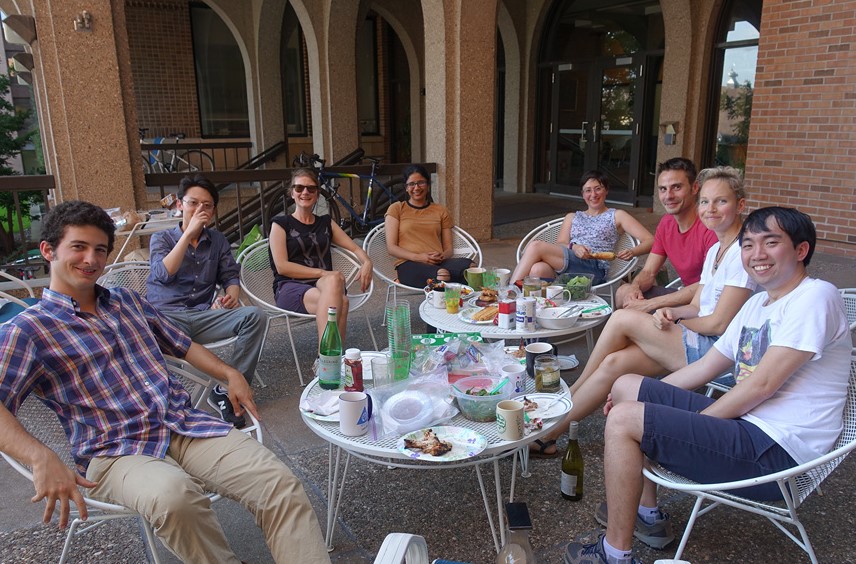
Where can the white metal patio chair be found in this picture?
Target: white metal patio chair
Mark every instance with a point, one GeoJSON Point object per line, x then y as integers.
{"type": "Point", "coordinates": [133, 275]}
{"type": "Point", "coordinates": [849, 296]}
{"type": "Point", "coordinates": [795, 483]}
{"type": "Point", "coordinates": [43, 424]}
{"type": "Point", "coordinates": [383, 263]}
{"type": "Point", "coordinates": [257, 283]}
{"type": "Point", "coordinates": [618, 268]}
{"type": "Point", "coordinates": [11, 305]}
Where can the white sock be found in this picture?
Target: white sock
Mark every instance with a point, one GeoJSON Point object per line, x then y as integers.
{"type": "Point", "coordinates": [612, 552]}
{"type": "Point", "coordinates": [649, 514]}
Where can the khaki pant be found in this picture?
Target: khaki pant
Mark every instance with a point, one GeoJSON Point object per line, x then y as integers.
{"type": "Point", "coordinates": [170, 494]}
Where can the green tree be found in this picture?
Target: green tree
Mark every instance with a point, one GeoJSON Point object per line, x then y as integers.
{"type": "Point", "coordinates": [12, 141]}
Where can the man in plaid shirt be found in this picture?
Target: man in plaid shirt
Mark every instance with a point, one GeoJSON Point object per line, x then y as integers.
{"type": "Point", "coordinates": [95, 356]}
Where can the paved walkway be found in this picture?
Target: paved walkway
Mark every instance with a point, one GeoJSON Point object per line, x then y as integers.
{"type": "Point", "coordinates": [445, 506]}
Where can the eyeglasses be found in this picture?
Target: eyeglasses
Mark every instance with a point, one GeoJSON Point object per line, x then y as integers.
{"type": "Point", "coordinates": [419, 183]}
{"type": "Point", "coordinates": [207, 206]}
{"type": "Point", "coordinates": [597, 190]}
{"type": "Point", "coordinates": [299, 188]}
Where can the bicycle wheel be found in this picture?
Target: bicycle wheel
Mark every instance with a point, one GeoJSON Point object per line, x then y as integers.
{"type": "Point", "coordinates": [194, 160]}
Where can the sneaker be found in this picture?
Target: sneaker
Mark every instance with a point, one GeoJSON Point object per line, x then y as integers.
{"type": "Point", "coordinates": [578, 553]}
{"type": "Point", "coordinates": [219, 400]}
{"type": "Point", "coordinates": [656, 535]}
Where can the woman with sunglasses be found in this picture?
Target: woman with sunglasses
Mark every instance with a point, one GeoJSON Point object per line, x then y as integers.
{"type": "Point", "coordinates": [300, 244]}
{"type": "Point", "coordinates": [419, 235]}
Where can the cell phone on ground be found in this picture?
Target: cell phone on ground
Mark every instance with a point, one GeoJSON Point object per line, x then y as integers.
{"type": "Point", "coordinates": [517, 514]}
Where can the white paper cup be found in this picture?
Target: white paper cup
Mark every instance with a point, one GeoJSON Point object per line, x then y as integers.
{"type": "Point", "coordinates": [503, 275]}
{"type": "Point", "coordinates": [354, 413]}
{"type": "Point", "coordinates": [509, 420]}
{"type": "Point", "coordinates": [516, 374]}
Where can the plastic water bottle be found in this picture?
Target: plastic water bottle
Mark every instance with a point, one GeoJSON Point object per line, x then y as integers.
{"type": "Point", "coordinates": [330, 354]}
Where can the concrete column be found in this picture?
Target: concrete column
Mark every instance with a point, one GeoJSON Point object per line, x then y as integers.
{"type": "Point", "coordinates": [86, 95]}
{"type": "Point", "coordinates": [460, 58]}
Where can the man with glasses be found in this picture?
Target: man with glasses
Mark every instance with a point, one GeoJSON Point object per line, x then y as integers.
{"type": "Point", "coordinates": [188, 263]}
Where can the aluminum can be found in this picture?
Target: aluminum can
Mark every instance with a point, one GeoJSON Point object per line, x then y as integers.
{"type": "Point", "coordinates": [507, 313]}
{"type": "Point", "coordinates": [525, 317]}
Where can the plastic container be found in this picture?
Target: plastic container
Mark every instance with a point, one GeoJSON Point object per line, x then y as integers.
{"type": "Point", "coordinates": [480, 408]}
{"type": "Point", "coordinates": [575, 284]}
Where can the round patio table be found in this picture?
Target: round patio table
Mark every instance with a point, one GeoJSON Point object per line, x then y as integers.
{"type": "Point", "coordinates": [452, 323]}
{"type": "Point", "coordinates": [384, 451]}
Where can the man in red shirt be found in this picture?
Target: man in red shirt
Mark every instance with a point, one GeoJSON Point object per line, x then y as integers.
{"type": "Point", "coordinates": [681, 237]}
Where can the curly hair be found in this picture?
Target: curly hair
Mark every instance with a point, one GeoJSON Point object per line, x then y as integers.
{"type": "Point", "coordinates": [79, 214]}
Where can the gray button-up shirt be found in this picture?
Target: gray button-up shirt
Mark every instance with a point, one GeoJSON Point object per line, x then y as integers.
{"type": "Point", "coordinates": [203, 268]}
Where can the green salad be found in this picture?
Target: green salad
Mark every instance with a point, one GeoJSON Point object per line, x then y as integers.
{"type": "Point", "coordinates": [579, 287]}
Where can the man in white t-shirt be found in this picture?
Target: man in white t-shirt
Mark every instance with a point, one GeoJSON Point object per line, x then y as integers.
{"type": "Point", "coordinates": [790, 349]}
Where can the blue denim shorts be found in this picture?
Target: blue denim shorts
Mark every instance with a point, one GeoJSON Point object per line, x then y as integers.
{"type": "Point", "coordinates": [696, 345]}
{"type": "Point", "coordinates": [703, 448]}
{"type": "Point", "coordinates": [573, 263]}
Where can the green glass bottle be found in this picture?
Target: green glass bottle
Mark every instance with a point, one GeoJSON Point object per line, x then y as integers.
{"type": "Point", "coordinates": [330, 354]}
{"type": "Point", "coordinates": [572, 467]}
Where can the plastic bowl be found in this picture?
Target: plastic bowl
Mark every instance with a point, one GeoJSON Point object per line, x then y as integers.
{"type": "Point", "coordinates": [551, 317]}
{"type": "Point", "coordinates": [408, 409]}
{"type": "Point", "coordinates": [480, 408]}
{"type": "Point", "coordinates": [573, 282]}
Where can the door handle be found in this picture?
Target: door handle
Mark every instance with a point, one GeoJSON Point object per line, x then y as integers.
{"type": "Point", "coordinates": [594, 132]}
{"type": "Point", "coordinates": [583, 135]}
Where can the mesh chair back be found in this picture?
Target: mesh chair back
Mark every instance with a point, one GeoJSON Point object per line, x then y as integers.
{"type": "Point", "coordinates": [849, 297]}
{"type": "Point", "coordinates": [132, 275]}
{"type": "Point", "coordinates": [463, 245]}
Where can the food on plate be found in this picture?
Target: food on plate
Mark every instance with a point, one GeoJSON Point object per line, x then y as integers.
{"type": "Point", "coordinates": [529, 405]}
{"type": "Point", "coordinates": [486, 314]}
{"type": "Point", "coordinates": [429, 444]}
{"type": "Point", "coordinates": [520, 352]}
{"type": "Point", "coordinates": [487, 297]}
{"type": "Point", "coordinates": [605, 255]}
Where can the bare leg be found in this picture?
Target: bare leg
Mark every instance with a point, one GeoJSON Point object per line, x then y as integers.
{"type": "Point", "coordinates": [623, 462]}
{"type": "Point", "coordinates": [329, 291]}
{"type": "Point", "coordinates": [548, 257]}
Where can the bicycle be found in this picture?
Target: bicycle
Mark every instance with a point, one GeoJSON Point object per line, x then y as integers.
{"type": "Point", "coordinates": [376, 203]}
{"type": "Point", "coordinates": [174, 160]}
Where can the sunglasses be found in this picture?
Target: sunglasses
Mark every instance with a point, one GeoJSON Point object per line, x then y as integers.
{"type": "Point", "coordinates": [299, 188]}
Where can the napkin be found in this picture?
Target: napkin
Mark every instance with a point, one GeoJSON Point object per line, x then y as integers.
{"type": "Point", "coordinates": [325, 403]}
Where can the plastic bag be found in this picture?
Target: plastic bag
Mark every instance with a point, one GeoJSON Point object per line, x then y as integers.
{"type": "Point", "coordinates": [254, 236]}
{"type": "Point", "coordinates": [409, 405]}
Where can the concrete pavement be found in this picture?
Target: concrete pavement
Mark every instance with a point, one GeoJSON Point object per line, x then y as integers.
{"type": "Point", "coordinates": [445, 505]}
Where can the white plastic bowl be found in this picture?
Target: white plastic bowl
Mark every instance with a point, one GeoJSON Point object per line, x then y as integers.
{"type": "Point", "coordinates": [552, 317]}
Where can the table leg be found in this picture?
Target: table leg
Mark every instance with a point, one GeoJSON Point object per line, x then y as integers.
{"type": "Point", "coordinates": [590, 340]}
{"type": "Point", "coordinates": [487, 508]}
{"type": "Point", "coordinates": [524, 462]}
{"type": "Point", "coordinates": [335, 488]}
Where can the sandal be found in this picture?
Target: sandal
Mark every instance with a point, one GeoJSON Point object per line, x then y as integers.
{"type": "Point", "coordinates": [542, 449]}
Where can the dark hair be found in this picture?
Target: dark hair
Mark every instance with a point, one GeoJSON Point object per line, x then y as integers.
{"type": "Point", "coordinates": [679, 163]}
{"type": "Point", "coordinates": [298, 172]}
{"type": "Point", "coordinates": [594, 175]}
{"type": "Point", "coordinates": [416, 169]}
{"type": "Point", "coordinates": [79, 214]}
{"type": "Point", "coordinates": [795, 223]}
{"type": "Point", "coordinates": [197, 180]}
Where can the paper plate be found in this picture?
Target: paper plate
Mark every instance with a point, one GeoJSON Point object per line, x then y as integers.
{"type": "Point", "coordinates": [512, 351]}
{"type": "Point", "coordinates": [411, 408]}
{"type": "Point", "coordinates": [466, 443]}
{"type": "Point", "coordinates": [557, 407]}
{"type": "Point", "coordinates": [466, 315]}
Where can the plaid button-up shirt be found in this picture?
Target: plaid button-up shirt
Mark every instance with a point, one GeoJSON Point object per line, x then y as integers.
{"type": "Point", "coordinates": [104, 375]}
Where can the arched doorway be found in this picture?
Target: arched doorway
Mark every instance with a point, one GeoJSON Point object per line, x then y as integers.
{"type": "Point", "coordinates": [599, 71]}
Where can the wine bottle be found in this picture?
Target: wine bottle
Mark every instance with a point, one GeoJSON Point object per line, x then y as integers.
{"type": "Point", "coordinates": [330, 354]}
{"type": "Point", "coordinates": [572, 467]}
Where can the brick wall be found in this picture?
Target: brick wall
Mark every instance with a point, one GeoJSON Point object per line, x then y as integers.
{"type": "Point", "coordinates": [162, 64]}
{"type": "Point", "coordinates": [803, 135]}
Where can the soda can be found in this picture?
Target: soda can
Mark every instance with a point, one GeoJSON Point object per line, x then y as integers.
{"type": "Point", "coordinates": [525, 316]}
{"type": "Point", "coordinates": [507, 313]}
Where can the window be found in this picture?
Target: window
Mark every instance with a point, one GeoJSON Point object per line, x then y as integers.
{"type": "Point", "coordinates": [735, 58]}
{"type": "Point", "coordinates": [293, 71]}
{"type": "Point", "coordinates": [221, 84]}
{"type": "Point", "coordinates": [367, 91]}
